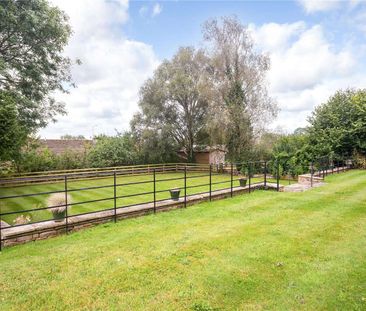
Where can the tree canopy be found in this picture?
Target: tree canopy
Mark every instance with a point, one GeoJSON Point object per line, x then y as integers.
{"type": "Point", "coordinates": [339, 125]}
{"type": "Point", "coordinates": [213, 96]}
{"type": "Point", "coordinates": [33, 34]}
{"type": "Point", "coordinates": [241, 104]}
{"type": "Point", "coordinates": [175, 99]}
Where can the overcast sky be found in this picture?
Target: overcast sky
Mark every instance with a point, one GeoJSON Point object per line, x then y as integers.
{"type": "Point", "coordinates": [316, 47]}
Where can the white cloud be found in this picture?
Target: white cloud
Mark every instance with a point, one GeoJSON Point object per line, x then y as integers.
{"type": "Point", "coordinates": [112, 71]}
{"type": "Point", "coordinates": [311, 6]}
{"type": "Point", "coordinates": [276, 37]}
{"type": "Point", "coordinates": [305, 68]}
{"type": "Point", "coordinates": [156, 9]}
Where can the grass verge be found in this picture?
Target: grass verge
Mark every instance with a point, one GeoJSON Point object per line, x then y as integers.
{"type": "Point", "coordinates": [266, 250]}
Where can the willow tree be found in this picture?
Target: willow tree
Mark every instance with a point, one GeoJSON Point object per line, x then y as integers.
{"type": "Point", "coordinates": [175, 100]}
{"type": "Point", "coordinates": [241, 105]}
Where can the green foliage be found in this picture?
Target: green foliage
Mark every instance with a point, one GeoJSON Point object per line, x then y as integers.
{"type": "Point", "coordinates": [360, 160]}
{"type": "Point", "coordinates": [33, 34]}
{"type": "Point", "coordinates": [263, 147]}
{"type": "Point", "coordinates": [291, 153]}
{"type": "Point", "coordinates": [339, 125]}
{"type": "Point", "coordinates": [155, 147]}
{"type": "Point", "coordinates": [240, 102]}
{"type": "Point", "coordinates": [35, 158]}
{"type": "Point", "coordinates": [12, 133]}
{"type": "Point", "coordinates": [113, 151]}
{"type": "Point", "coordinates": [70, 159]}
{"type": "Point", "coordinates": [174, 102]}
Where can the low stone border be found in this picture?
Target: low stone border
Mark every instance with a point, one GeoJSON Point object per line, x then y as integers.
{"type": "Point", "coordinates": [50, 228]}
{"type": "Point", "coordinates": [317, 176]}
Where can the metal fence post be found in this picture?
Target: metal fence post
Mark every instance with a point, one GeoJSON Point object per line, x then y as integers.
{"type": "Point", "coordinates": [265, 173]}
{"type": "Point", "coordinates": [278, 175]}
{"type": "Point", "coordinates": [1, 238]}
{"type": "Point", "coordinates": [154, 191]}
{"type": "Point", "coordinates": [66, 204]}
{"type": "Point", "coordinates": [185, 186]}
{"type": "Point", "coordinates": [249, 173]}
{"type": "Point", "coordinates": [332, 165]}
{"type": "Point", "coordinates": [311, 173]}
{"type": "Point", "coordinates": [210, 180]}
{"type": "Point", "coordinates": [231, 180]}
{"type": "Point", "coordinates": [115, 195]}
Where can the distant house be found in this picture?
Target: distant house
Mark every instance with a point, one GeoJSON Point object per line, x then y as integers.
{"type": "Point", "coordinates": [206, 155]}
{"type": "Point", "coordinates": [59, 146]}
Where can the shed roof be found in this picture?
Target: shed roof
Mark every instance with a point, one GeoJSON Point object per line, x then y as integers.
{"type": "Point", "coordinates": [59, 146]}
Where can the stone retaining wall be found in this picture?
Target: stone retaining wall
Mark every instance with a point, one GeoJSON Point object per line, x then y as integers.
{"type": "Point", "coordinates": [50, 228]}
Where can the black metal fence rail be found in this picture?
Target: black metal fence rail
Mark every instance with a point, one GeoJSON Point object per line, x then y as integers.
{"type": "Point", "coordinates": [269, 170]}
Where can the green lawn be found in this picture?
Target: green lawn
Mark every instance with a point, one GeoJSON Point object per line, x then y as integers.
{"type": "Point", "coordinates": [39, 201]}
{"type": "Point", "coordinates": [259, 251]}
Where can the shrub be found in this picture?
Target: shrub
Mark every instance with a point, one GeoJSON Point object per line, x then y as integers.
{"type": "Point", "coordinates": [112, 151]}
{"type": "Point", "coordinates": [58, 200]}
{"type": "Point", "coordinates": [22, 220]}
{"type": "Point", "coordinates": [360, 160]}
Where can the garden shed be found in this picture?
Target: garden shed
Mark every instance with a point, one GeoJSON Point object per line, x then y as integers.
{"type": "Point", "coordinates": [206, 154]}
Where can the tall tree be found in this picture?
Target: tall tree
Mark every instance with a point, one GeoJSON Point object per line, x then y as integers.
{"type": "Point", "coordinates": [33, 35]}
{"type": "Point", "coordinates": [12, 133]}
{"type": "Point", "coordinates": [242, 105]}
{"type": "Point", "coordinates": [339, 125]}
{"type": "Point", "coordinates": [174, 101]}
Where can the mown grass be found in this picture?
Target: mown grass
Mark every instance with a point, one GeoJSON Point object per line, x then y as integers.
{"type": "Point", "coordinates": [263, 251]}
{"type": "Point", "coordinates": [40, 201]}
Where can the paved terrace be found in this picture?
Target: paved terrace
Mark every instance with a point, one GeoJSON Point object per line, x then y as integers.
{"type": "Point", "coordinates": [306, 181]}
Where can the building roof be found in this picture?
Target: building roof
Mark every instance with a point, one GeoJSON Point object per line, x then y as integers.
{"type": "Point", "coordinates": [58, 146]}
{"type": "Point", "coordinates": [204, 149]}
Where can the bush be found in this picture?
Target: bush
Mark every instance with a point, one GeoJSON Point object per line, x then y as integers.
{"type": "Point", "coordinates": [35, 158]}
{"type": "Point", "coordinates": [22, 220]}
{"type": "Point", "coordinates": [71, 160]}
{"type": "Point", "coordinates": [58, 200]}
{"type": "Point", "coordinates": [113, 151]}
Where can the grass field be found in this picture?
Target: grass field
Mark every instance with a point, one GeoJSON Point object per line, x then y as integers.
{"type": "Point", "coordinates": [39, 201]}
{"type": "Point", "coordinates": [263, 251]}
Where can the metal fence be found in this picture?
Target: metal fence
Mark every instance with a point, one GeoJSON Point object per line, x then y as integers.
{"type": "Point", "coordinates": [255, 172]}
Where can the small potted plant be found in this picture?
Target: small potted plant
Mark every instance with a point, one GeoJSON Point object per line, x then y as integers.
{"type": "Point", "coordinates": [57, 204]}
{"type": "Point", "coordinates": [242, 181]}
{"type": "Point", "coordinates": [239, 166]}
{"type": "Point", "coordinates": [174, 194]}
